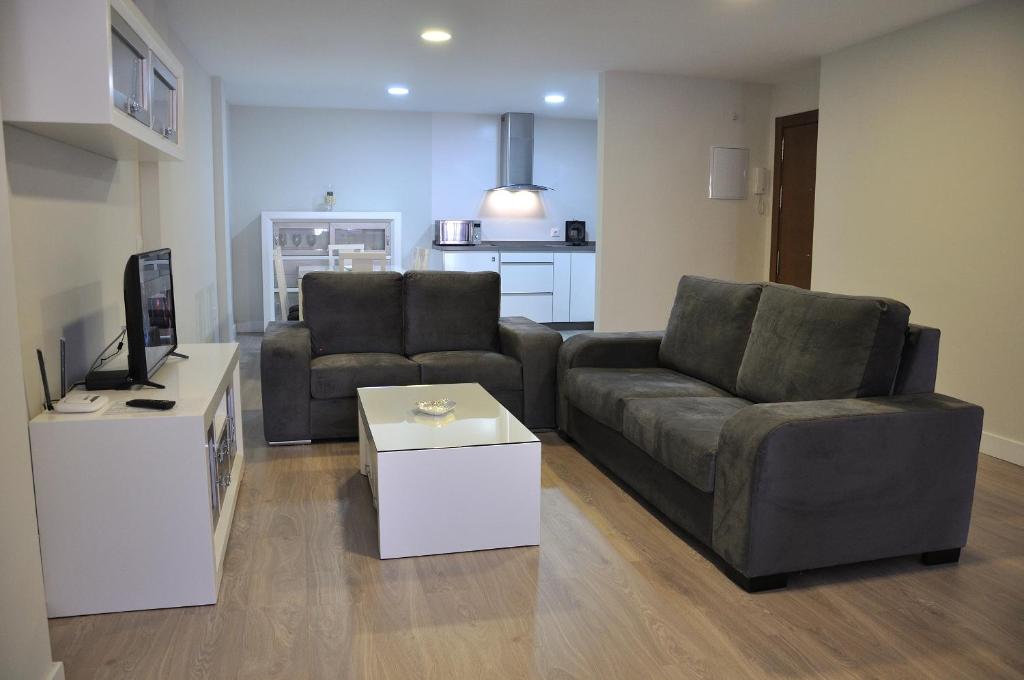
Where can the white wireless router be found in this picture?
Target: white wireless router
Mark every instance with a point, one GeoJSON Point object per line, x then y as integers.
{"type": "Point", "coordinates": [80, 402]}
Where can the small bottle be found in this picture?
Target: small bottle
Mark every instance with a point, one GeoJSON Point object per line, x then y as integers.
{"type": "Point", "coordinates": [329, 200]}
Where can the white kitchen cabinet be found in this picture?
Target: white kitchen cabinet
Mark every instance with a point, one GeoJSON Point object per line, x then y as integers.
{"type": "Point", "coordinates": [560, 296]}
{"type": "Point", "coordinates": [93, 74]}
{"type": "Point", "coordinates": [470, 261]}
{"type": "Point", "coordinates": [516, 256]}
{"type": "Point", "coordinates": [534, 306]}
{"type": "Point", "coordinates": [581, 288]}
{"type": "Point", "coordinates": [527, 277]}
{"type": "Point", "coordinates": [543, 286]}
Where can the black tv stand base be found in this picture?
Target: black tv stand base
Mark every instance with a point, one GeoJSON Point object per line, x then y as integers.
{"type": "Point", "coordinates": [177, 354]}
{"type": "Point", "coordinates": [150, 383]}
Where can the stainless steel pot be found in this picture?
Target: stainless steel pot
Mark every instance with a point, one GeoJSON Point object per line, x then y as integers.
{"type": "Point", "coordinates": [456, 232]}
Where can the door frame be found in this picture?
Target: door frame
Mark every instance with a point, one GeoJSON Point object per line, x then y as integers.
{"type": "Point", "coordinates": [781, 123]}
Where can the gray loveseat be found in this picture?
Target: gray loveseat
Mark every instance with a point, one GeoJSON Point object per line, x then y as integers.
{"type": "Point", "coordinates": [786, 429]}
{"type": "Point", "coordinates": [382, 328]}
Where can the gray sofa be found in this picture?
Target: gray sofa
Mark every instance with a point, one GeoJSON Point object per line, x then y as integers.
{"type": "Point", "coordinates": [786, 429]}
{"type": "Point", "coordinates": [382, 328]}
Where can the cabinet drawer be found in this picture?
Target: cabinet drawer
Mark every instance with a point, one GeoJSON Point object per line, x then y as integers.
{"type": "Point", "coordinates": [460, 261]}
{"type": "Point", "coordinates": [527, 257]}
{"type": "Point", "coordinates": [536, 307]}
{"type": "Point", "coordinates": [522, 277]}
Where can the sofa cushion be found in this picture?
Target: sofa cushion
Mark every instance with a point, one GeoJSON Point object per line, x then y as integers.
{"type": "Point", "coordinates": [681, 433]}
{"type": "Point", "coordinates": [495, 372]}
{"type": "Point", "coordinates": [334, 376]}
{"type": "Point", "coordinates": [451, 311]}
{"type": "Point", "coordinates": [353, 312]}
{"type": "Point", "coordinates": [602, 393]}
{"type": "Point", "coordinates": [708, 329]}
{"type": "Point", "coordinates": [806, 345]}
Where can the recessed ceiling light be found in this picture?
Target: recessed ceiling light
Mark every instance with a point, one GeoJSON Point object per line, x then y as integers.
{"type": "Point", "coordinates": [398, 91]}
{"type": "Point", "coordinates": [554, 98]}
{"type": "Point", "coordinates": [436, 35]}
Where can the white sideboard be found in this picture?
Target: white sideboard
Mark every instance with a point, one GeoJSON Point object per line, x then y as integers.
{"type": "Point", "coordinates": [551, 286]}
{"type": "Point", "coordinates": [289, 231]}
{"type": "Point", "coordinates": [135, 506]}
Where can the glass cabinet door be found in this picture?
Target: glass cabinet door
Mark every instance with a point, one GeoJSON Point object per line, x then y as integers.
{"type": "Point", "coordinates": [129, 69]}
{"type": "Point", "coordinates": [374, 236]}
{"type": "Point", "coordinates": [165, 101]}
{"type": "Point", "coordinates": [302, 238]}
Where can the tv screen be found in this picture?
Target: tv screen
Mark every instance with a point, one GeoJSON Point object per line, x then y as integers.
{"type": "Point", "coordinates": [149, 312]}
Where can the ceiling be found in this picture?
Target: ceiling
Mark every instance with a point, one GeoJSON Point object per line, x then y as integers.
{"type": "Point", "coordinates": [507, 54]}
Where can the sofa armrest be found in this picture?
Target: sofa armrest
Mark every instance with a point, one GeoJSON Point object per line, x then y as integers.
{"type": "Point", "coordinates": [810, 484]}
{"type": "Point", "coordinates": [284, 376]}
{"type": "Point", "coordinates": [535, 346]}
{"type": "Point", "coordinates": [604, 350]}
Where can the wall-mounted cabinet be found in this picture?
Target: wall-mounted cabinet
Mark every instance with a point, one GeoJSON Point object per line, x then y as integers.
{"type": "Point", "coordinates": [93, 74]}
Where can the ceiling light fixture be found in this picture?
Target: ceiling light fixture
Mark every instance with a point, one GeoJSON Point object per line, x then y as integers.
{"type": "Point", "coordinates": [554, 98]}
{"type": "Point", "coordinates": [398, 91]}
{"type": "Point", "coordinates": [436, 35]}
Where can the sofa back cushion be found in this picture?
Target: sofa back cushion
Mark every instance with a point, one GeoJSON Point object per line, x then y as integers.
{"type": "Point", "coordinates": [353, 312]}
{"type": "Point", "coordinates": [806, 345]}
{"type": "Point", "coordinates": [447, 311]}
{"type": "Point", "coordinates": [708, 329]}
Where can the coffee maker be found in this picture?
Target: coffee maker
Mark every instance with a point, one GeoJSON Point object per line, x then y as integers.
{"type": "Point", "coordinates": [575, 233]}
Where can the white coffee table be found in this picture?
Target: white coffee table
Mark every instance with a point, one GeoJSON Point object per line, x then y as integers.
{"type": "Point", "coordinates": [469, 480]}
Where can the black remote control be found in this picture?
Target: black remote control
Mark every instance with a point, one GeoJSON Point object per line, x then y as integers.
{"type": "Point", "coordinates": [155, 404]}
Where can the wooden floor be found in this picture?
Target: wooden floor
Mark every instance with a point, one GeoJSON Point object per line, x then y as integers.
{"type": "Point", "coordinates": [611, 592]}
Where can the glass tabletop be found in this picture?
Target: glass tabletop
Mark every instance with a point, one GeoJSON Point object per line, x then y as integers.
{"type": "Point", "coordinates": [477, 420]}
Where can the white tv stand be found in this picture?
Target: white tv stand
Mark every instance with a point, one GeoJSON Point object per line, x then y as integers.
{"type": "Point", "coordinates": [135, 506]}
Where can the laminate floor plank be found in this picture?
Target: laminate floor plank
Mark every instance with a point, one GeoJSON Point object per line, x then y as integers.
{"type": "Point", "coordinates": [612, 592]}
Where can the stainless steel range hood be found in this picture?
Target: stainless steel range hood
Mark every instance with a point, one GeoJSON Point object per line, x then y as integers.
{"type": "Point", "coordinates": [516, 153]}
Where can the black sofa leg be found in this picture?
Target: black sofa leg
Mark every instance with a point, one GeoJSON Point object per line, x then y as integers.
{"type": "Point", "coordinates": [941, 556]}
{"type": "Point", "coordinates": [757, 584]}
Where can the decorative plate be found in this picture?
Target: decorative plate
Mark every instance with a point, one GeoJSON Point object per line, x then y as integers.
{"type": "Point", "coordinates": [436, 407]}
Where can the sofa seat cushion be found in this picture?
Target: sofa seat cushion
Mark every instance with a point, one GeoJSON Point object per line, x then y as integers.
{"type": "Point", "coordinates": [602, 393]}
{"type": "Point", "coordinates": [681, 433]}
{"type": "Point", "coordinates": [495, 372]}
{"type": "Point", "coordinates": [334, 376]}
{"type": "Point", "coordinates": [708, 329]}
{"type": "Point", "coordinates": [805, 345]}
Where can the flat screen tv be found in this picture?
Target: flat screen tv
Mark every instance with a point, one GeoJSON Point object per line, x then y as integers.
{"type": "Point", "coordinates": [151, 331]}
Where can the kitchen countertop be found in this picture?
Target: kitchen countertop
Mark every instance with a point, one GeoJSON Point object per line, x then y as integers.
{"type": "Point", "coordinates": [522, 246]}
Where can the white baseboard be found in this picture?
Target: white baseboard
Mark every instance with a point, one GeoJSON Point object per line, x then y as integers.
{"type": "Point", "coordinates": [56, 671]}
{"type": "Point", "coordinates": [1003, 448]}
{"type": "Point", "coordinates": [249, 327]}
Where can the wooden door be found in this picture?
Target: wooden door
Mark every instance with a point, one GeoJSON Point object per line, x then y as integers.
{"type": "Point", "coordinates": [796, 149]}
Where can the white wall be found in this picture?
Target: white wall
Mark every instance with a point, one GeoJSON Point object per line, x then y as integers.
{"type": "Point", "coordinates": [657, 223]}
{"type": "Point", "coordinates": [185, 191]}
{"type": "Point", "coordinates": [427, 166]}
{"type": "Point", "coordinates": [75, 221]}
{"type": "Point", "coordinates": [465, 166]}
{"type": "Point", "coordinates": [920, 177]}
{"type": "Point", "coordinates": [283, 159]}
{"type": "Point", "coordinates": [77, 216]}
{"type": "Point", "coordinates": [24, 634]}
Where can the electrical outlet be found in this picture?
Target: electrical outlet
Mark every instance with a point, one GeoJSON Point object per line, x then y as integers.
{"type": "Point", "coordinates": [554, 232]}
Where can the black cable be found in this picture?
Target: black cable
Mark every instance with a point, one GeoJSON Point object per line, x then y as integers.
{"type": "Point", "coordinates": [101, 359]}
